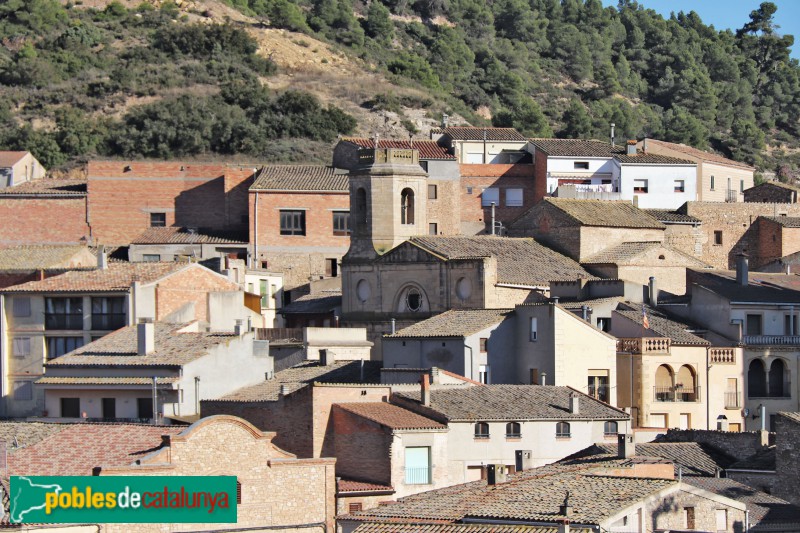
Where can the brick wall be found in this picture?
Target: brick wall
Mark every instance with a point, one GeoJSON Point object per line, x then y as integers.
{"type": "Point", "coordinates": [42, 220]}
{"type": "Point", "coordinates": [445, 210]}
{"type": "Point", "coordinates": [362, 448]}
{"type": "Point", "coordinates": [787, 458]}
{"type": "Point", "coordinates": [191, 285]}
{"type": "Point", "coordinates": [540, 173]}
{"type": "Point", "coordinates": [209, 196]}
{"type": "Point", "coordinates": [502, 177]}
{"type": "Point", "coordinates": [324, 398]}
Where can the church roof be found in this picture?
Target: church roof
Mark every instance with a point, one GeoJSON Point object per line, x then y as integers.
{"type": "Point", "coordinates": [520, 261]}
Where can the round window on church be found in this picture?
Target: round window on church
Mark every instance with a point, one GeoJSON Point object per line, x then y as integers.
{"type": "Point", "coordinates": [463, 288]}
{"type": "Point", "coordinates": [413, 300]}
{"type": "Point", "coordinates": [363, 290]}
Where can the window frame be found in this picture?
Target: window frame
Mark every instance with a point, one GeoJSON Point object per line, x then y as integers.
{"type": "Point", "coordinates": [487, 201]}
{"type": "Point", "coordinates": [63, 401]}
{"type": "Point", "coordinates": [560, 427]}
{"type": "Point", "coordinates": [158, 219]}
{"type": "Point", "coordinates": [580, 165]}
{"type": "Point", "coordinates": [341, 223]}
{"type": "Point", "coordinates": [679, 188]}
{"type": "Point", "coordinates": [21, 306]}
{"type": "Point", "coordinates": [412, 478]}
{"type": "Point", "coordinates": [533, 329]}
{"type": "Point", "coordinates": [756, 318]}
{"type": "Point", "coordinates": [433, 228]}
{"type": "Point", "coordinates": [151, 258]}
{"type": "Point", "coordinates": [292, 222]}
{"type": "Point", "coordinates": [107, 320]}
{"type": "Point", "coordinates": [51, 354]}
{"type": "Point", "coordinates": [25, 385]}
{"type": "Point", "coordinates": [17, 342]}
{"type": "Point", "coordinates": [607, 425]}
{"type": "Point", "coordinates": [70, 318]}
{"type": "Point", "coordinates": [638, 188]}
{"type": "Point", "coordinates": [478, 430]}
{"type": "Point", "coordinates": [433, 191]}
{"type": "Point", "coordinates": [513, 434]}
{"type": "Point", "coordinates": [514, 202]}
{"type": "Point", "coordinates": [718, 237]}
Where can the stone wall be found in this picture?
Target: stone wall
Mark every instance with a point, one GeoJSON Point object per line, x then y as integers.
{"type": "Point", "coordinates": [737, 445]}
{"type": "Point", "coordinates": [770, 193]}
{"type": "Point", "coordinates": [787, 457]}
{"type": "Point", "coordinates": [669, 512]}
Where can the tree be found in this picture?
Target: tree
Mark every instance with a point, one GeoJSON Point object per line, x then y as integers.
{"type": "Point", "coordinates": [577, 122]}
{"type": "Point", "coordinates": [378, 25]}
{"type": "Point", "coordinates": [526, 117]}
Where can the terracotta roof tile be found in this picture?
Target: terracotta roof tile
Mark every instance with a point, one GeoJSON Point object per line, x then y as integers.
{"type": "Point", "coordinates": [300, 178]}
{"type": "Point", "coordinates": [37, 257]}
{"type": "Point", "coordinates": [691, 458]}
{"type": "Point", "coordinates": [764, 510]}
{"type": "Point", "coordinates": [786, 222]}
{"type": "Point", "coordinates": [793, 416]}
{"type": "Point", "coordinates": [762, 287]}
{"type": "Point", "coordinates": [592, 148]}
{"type": "Point", "coordinates": [642, 158]}
{"type": "Point", "coordinates": [470, 133]}
{"type": "Point", "coordinates": [667, 216]}
{"type": "Point", "coordinates": [47, 187]}
{"type": "Point", "coordinates": [374, 527]}
{"type": "Point", "coordinates": [9, 158]}
{"type": "Point", "coordinates": [319, 302]}
{"type": "Point", "coordinates": [98, 169]}
{"type": "Point", "coordinates": [176, 235]}
{"type": "Point", "coordinates": [349, 485]}
{"type": "Point", "coordinates": [605, 213]}
{"type": "Point", "coordinates": [625, 252]}
{"type": "Point", "coordinates": [53, 380]}
{"type": "Point", "coordinates": [391, 416]}
{"type": "Point", "coordinates": [17, 435]}
{"type": "Point", "coordinates": [454, 323]}
{"type": "Point", "coordinates": [763, 459]}
{"type": "Point", "coordinates": [700, 154]}
{"type": "Point", "coordinates": [117, 277]}
{"type": "Point", "coordinates": [663, 325]}
{"type": "Point", "coordinates": [427, 149]}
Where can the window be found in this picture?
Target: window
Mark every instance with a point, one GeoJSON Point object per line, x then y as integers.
{"type": "Point", "coordinates": [753, 325]}
{"type": "Point", "coordinates": [341, 223]}
{"type": "Point", "coordinates": [722, 519]}
{"type": "Point", "coordinates": [151, 258]}
{"type": "Point", "coordinates": [354, 507]}
{"type": "Point", "coordinates": [534, 376]}
{"type": "Point", "coordinates": [610, 429]}
{"type": "Point", "coordinates": [23, 390]}
{"type": "Point", "coordinates": [109, 408]}
{"type": "Point", "coordinates": [513, 430]}
{"type": "Point", "coordinates": [262, 290]}
{"type": "Point", "coordinates": [679, 186]}
{"type": "Point", "coordinates": [777, 378]}
{"type": "Point", "coordinates": [413, 300]}
{"type": "Point", "coordinates": [598, 385]}
{"type": "Point", "coordinates": [21, 346]}
{"type": "Point", "coordinates": [790, 324]}
{"type": "Point", "coordinates": [361, 206]}
{"type": "Point", "coordinates": [712, 183]}
{"type": "Point", "coordinates": [331, 267]}
{"type": "Point", "coordinates": [534, 329]}
{"type": "Point", "coordinates": [513, 197]}
{"type": "Point", "coordinates": [158, 220]}
{"type": "Point", "coordinates": [418, 465]}
{"type": "Point", "coordinates": [718, 238]}
{"type": "Point", "coordinates": [433, 228]}
{"type": "Point", "coordinates": [469, 190]}
{"type": "Point", "coordinates": [741, 186]}
{"type": "Point", "coordinates": [756, 379]}
{"type": "Point", "coordinates": [481, 430]}
{"type": "Point", "coordinates": [21, 306]}
{"type": "Point", "coordinates": [562, 430]}
{"type": "Point", "coordinates": [293, 222]}
{"type": "Point", "coordinates": [489, 196]}
{"type": "Point", "coordinates": [580, 165]}
{"type": "Point", "coordinates": [640, 186]}
{"type": "Point", "coordinates": [688, 517]}
{"type": "Point", "coordinates": [407, 206]}
{"type": "Point", "coordinates": [483, 374]}
{"type": "Point", "coordinates": [483, 342]}
{"type": "Point", "coordinates": [58, 346]}
{"type": "Point", "coordinates": [63, 313]}
{"type": "Point", "coordinates": [432, 192]}
{"type": "Point", "coordinates": [108, 313]}
{"type": "Point", "coordinates": [71, 407]}
{"type": "Point", "coordinates": [144, 407]}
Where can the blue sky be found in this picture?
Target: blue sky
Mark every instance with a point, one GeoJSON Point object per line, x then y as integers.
{"type": "Point", "coordinates": [732, 14]}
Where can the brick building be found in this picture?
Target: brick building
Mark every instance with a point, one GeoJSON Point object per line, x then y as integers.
{"type": "Point", "coordinates": [127, 197]}
{"type": "Point", "coordinates": [777, 238]}
{"type": "Point", "coordinates": [23, 263]}
{"type": "Point", "coordinates": [511, 187]}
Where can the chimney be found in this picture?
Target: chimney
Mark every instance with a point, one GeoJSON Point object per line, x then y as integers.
{"type": "Point", "coordinates": [574, 407]}
{"type": "Point", "coordinates": [543, 378]}
{"type": "Point", "coordinates": [425, 390]}
{"type": "Point", "coordinates": [238, 329]}
{"type": "Point", "coordinates": [445, 120]}
{"type": "Point", "coordinates": [102, 258]}
{"type": "Point", "coordinates": [722, 423]}
{"type": "Point", "coordinates": [394, 327]}
{"type": "Point", "coordinates": [524, 460]}
{"type": "Point", "coordinates": [555, 300]}
{"type": "Point", "coordinates": [284, 389]}
{"type": "Point", "coordinates": [563, 526]}
{"type": "Point", "coordinates": [644, 145]}
{"type": "Point", "coordinates": [145, 336]}
{"type": "Point", "coordinates": [326, 358]}
{"type": "Point", "coordinates": [565, 509]}
{"type": "Point", "coordinates": [631, 147]}
{"type": "Point", "coordinates": [742, 267]}
{"type": "Point", "coordinates": [652, 294]}
{"type": "Point", "coordinates": [626, 448]}
{"type": "Point", "coordinates": [612, 134]}
{"type": "Point", "coordinates": [585, 312]}
{"type": "Point", "coordinates": [496, 474]}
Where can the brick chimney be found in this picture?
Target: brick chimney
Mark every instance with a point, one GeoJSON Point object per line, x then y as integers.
{"type": "Point", "coordinates": [425, 390]}
{"type": "Point", "coordinates": [145, 336]}
{"type": "Point", "coordinates": [631, 147]}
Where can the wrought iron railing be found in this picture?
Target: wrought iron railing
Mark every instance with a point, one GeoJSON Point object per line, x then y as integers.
{"type": "Point", "coordinates": [733, 400]}
{"type": "Point", "coordinates": [676, 394]}
{"type": "Point", "coordinates": [418, 476]}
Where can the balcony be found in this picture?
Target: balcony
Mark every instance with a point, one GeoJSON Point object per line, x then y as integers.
{"type": "Point", "coordinates": [418, 476]}
{"type": "Point", "coordinates": [109, 321]}
{"type": "Point", "coordinates": [643, 345]}
{"type": "Point", "coordinates": [733, 400]}
{"type": "Point", "coordinates": [61, 321]}
{"type": "Point", "coordinates": [599, 392]}
{"type": "Point", "coordinates": [731, 195]}
{"type": "Point", "coordinates": [722, 356]}
{"type": "Point", "coordinates": [772, 340]}
{"type": "Point", "coordinates": [676, 394]}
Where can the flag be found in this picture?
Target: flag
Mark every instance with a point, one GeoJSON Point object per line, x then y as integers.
{"type": "Point", "coordinates": [645, 320]}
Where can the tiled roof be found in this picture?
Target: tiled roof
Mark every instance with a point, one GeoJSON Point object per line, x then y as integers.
{"type": "Point", "coordinates": [303, 374]}
{"type": "Point", "coordinates": [172, 348]}
{"type": "Point", "coordinates": [662, 325]}
{"type": "Point", "coordinates": [117, 277]}
{"type": "Point", "coordinates": [776, 183]}
{"type": "Point", "coordinates": [173, 235]}
{"type": "Point", "coordinates": [691, 458]}
{"type": "Point", "coordinates": [349, 485]}
{"type": "Point", "coordinates": [576, 147]}
{"type": "Point", "coordinates": [534, 495]}
{"type": "Point", "coordinates": [391, 416]}
{"type": "Point", "coordinates": [764, 510]}
{"type": "Point", "coordinates": [763, 459]}
{"type": "Point", "coordinates": [427, 149]}
{"type": "Point", "coordinates": [762, 287]}
{"type": "Point", "coordinates": [470, 133]}
{"type": "Point", "coordinates": [519, 261]}
{"type": "Point", "coordinates": [625, 252]}
{"type": "Point", "coordinates": [36, 257]}
{"type": "Point", "coordinates": [300, 178]}
{"type": "Point", "coordinates": [377, 527]}
{"type": "Point", "coordinates": [9, 158]}
{"type": "Point", "coordinates": [17, 435]}
{"type": "Point", "coordinates": [318, 302]}
{"type": "Point", "coordinates": [667, 216]}
{"type": "Point", "coordinates": [642, 158]}
{"type": "Point", "coordinates": [793, 416]}
{"type": "Point", "coordinates": [92, 445]}
{"type": "Point", "coordinates": [509, 402]}
{"type": "Point", "coordinates": [605, 213]}
{"type": "Point", "coordinates": [47, 187]}
{"type": "Point", "coordinates": [455, 323]}
{"type": "Point", "coordinates": [700, 154]}
{"type": "Point", "coordinates": [53, 380]}
{"type": "Point", "coordinates": [786, 222]}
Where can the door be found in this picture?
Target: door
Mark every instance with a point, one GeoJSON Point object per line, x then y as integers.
{"type": "Point", "coordinates": [109, 408]}
{"type": "Point", "coordinates": [144, 407]}
{"type": "Point", "coordinates": [684, 421]}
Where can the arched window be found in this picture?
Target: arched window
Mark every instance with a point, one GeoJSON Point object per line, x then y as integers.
{"type": "Point", "coordinates": [756, 379]}
{"type": "Point", "coordinates": [481, 430]}
{"type": "Point", "coordinates": [412, 299]}
{"type": "Point", "coordinates": [407, 206]}
{"type": "Point", "coordinates": [777, 376]}
{"type": "Point", "coordinates": [610, 428]}
{"type": "Point", "coordinates": [685, 385]}
{"type": "Point", "coordinates": [664, 384]}
{"type": "Point", "coordinates": [361, 206]}
{"type": "Point", "coordinates": [512, 430]}
{"type": "Point", "coordinates": [562, 429]}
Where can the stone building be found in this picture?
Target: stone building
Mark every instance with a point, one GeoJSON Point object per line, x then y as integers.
{"type": "Point", "coordinates": [773, 192]}
{"type": "Point", "coordinates": [787, 456]}
{"type": "Point", "coordinates": [176, 243]}
{"type": "Point", "coordinates": [19, 167]}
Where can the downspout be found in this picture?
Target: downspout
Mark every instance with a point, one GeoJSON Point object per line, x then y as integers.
{"type": "Point", "coordinates": [3, 349]}
{"type": "Point", "coordinates": [254, 259]}
{"type": "Point", "coordinates": [708, 398]}
{"type": "Point", "coordinates": [471, 361]}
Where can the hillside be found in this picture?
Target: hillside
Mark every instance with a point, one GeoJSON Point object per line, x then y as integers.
{"type": "Point", "coordinates": [280, 79]}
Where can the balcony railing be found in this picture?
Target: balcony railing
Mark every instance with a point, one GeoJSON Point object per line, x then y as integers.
{"type": "Point", "coordinates": [418, 476]}
{"type": "Point", "coordinates": [63, 321]}
{"type": "Point", "coordinates": [731, 195]}
{"type": "Point", "coordinates": [733, 400]}
{"type": "Point", "coordinates": [722, 356]}
{"type": "Point", "coordinates": [643, 345]}
{"type": "Point", "coordinates": [676, 394]}
{"type": "Point", "coordinates": [108, 321]}
{"type": "Point", "coordinates": [599, 392]}
{"type": "Point", "coordinates": [772, 340]}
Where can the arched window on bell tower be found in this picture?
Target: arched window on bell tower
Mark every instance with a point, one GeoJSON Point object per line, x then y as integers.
{"type": "Point", "coordinates": [361, 207]}
{"type": "Point", "coordinates": [407, 206]}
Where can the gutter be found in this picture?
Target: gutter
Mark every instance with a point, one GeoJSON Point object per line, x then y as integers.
{"type": "Point", "coordinates": [496, 521]}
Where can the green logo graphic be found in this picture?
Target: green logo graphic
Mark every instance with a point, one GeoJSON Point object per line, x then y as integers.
{"type": "Point", "coordinates": [122, 499]}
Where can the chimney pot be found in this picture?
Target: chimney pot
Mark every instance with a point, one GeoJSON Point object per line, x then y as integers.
{"type": "Point", "coordinates": [102, 258]}
{"type": "Point", "coordinates": [284, 389]}
{"type": "Point", "coordinates": [574, 406]}
{"type": "Point", "coordinates": [425, 390]}
{"type": "Point", "coordinates": [496, 474]}
{"type": "Point", "coordinates": [652, 292]}
{"type": "Point", "coordinates": [326, 358]}
{"type": "Point", "coordinates": [626, 448]}
{"type": "Point", "coordinates": [742, 270]}
{"type": "Point", "coordinates": [145, 336]}
{"type": "Point", "coordinates": [524, 460]}
{"type": "Point", "coordinates": [238, 329]}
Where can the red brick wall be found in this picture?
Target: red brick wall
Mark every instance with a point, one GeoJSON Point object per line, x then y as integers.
{"type": "Point", "coordinates": [42, 221]}
{"type": "Point", "coordinates": [192, 285]}
{"type": "Point", "coordinates": [203, 196]}
{"type": "Point", "coordinates": [363, 448]}
{"type": "Point", "coordinates": [502, 177]}
{"type": "Point", "coordinates": [540, 172]}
